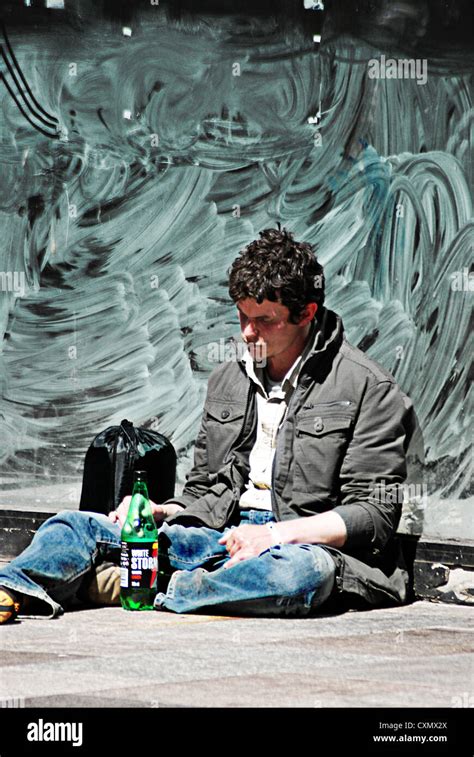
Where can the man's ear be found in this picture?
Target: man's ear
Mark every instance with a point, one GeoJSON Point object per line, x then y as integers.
{"type": "Point", "coordinates": [308, 313]}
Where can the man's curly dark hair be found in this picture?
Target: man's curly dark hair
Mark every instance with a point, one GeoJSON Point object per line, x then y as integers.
{"type": "Point", "coordinates": [277, 268]}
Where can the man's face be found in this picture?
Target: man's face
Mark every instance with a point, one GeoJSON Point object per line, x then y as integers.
{"type": "Point", "coordinates": [266, 329]}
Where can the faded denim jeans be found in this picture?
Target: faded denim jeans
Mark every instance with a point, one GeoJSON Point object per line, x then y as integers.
{"type": "Point", "coordinates": [285, 580]}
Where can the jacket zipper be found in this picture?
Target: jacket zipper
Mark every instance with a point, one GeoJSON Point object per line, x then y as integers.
{"type": "Point", "coordinates": [343, 403]}
{"type": "Point", "coordinates": [279, 435]}
{"type": "Point", "coordinates": [272, 490]}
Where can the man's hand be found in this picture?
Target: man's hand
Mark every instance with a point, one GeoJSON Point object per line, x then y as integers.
{"type": "Point", "coordinates": [246, 541]}
{"type": "Point", "coordinates": [159, 512]}
{"type": "Point", "coordinates": [249, 541]}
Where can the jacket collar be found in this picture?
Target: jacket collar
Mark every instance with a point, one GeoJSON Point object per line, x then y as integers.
{"type": "Point", "coordinates": [326, 345]}
{"type": "Point", "coordinates": [328, 336]}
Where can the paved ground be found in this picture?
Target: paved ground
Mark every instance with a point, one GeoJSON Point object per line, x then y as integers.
{"type": "Point", "coordinates": [415, 656]}
{"type": "Point", "coordinates": [41, 498]}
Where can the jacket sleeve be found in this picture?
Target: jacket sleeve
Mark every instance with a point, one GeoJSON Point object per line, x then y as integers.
{"type": "Point", "coordinates": [202, 486]}
{"type": "Point", "coordinates": [198, 480]}
{"type": "Point", "coordinates": [374, 468]}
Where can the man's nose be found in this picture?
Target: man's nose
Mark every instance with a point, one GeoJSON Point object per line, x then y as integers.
{"type": "Point", "coordinates": [250, 331]}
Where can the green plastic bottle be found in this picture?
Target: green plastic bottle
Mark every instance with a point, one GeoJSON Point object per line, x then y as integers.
{"type": "Point", "coordinates": [139, 554]}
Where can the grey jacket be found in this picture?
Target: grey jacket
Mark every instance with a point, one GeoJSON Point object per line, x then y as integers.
{"type": "Point", "coordinates": [342, 447]}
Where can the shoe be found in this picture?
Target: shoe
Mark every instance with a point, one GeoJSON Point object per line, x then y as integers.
{"type": "Point", "coordinates": [102, 587]}
{"type": "Point", "coordinates": [9, 605]}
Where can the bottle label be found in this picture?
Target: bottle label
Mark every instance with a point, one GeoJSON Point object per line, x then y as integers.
{"type": "Point", "coordinates": [138, 565]}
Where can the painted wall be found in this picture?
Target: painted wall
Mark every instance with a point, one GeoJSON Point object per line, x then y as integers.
{"type": "Point", "coordinates": [180, 137]}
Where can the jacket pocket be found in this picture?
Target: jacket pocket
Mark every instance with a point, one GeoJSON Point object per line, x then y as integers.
{"type": "Point", "coordinates": [320, 445]}
{"type": "Point", "coordinates": [320, 425]}
{"type": "Point", "coordinates": [224, 424]}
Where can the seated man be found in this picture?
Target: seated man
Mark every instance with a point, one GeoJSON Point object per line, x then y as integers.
{"type": "Point", "coordinates": [294, 497]}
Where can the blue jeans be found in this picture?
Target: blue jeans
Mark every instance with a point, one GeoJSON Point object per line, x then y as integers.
{"type": "Point", "coordinates": [290, 579]}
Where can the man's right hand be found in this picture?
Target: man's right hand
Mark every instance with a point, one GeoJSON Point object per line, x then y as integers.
{"type": "Point", "coordinates": [160, 512]}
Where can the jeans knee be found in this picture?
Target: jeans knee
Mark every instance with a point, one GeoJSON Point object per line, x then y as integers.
{"type": "Point", "coordinates": [189, 546]}
{"type": "Point", "coordinates": [73, 518]}
{"type": "Point", "coordinates": [79, 522]}
{"type": "Point", "coordinates": [63, 516]}
{"type": "Point", "coordinates": [296, 569]}
{"type": "Point", "coordinates": [68, 515]}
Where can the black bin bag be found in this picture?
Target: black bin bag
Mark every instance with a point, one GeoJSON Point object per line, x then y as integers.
{"type": "Point", "coordinates": [113, 457]}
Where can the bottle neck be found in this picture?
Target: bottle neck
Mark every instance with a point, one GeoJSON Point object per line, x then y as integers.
{"type": "Point", "coordinates": [139, 520]}
{"type": "Point", "coordinates": [140, 487]}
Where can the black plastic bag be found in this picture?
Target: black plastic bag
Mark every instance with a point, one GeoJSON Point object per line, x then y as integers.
{"type": "Point", "coordinates": [113, 457]}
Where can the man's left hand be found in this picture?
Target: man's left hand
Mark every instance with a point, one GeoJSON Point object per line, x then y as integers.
{"type": "Point", "coordinates": [245, 541]}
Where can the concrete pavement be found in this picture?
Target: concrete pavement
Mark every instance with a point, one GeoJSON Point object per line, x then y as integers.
{"type": "Point", "coordinates": [415, 656]}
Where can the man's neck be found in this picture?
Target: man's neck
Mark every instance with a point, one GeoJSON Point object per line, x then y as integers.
{"type": "Point", "coordinates": [278, 366]}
